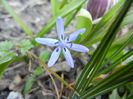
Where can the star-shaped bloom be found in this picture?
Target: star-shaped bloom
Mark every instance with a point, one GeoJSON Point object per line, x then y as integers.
{"type": "Point", "coordinates": [63, 44]}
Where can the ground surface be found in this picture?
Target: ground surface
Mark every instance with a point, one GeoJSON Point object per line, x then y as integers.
{"type": "Point", "coordinates": [36, 14]}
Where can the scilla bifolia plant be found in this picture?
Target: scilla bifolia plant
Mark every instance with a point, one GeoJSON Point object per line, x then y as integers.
{"type": "Point", "coordinates": [63, 44]}
{"type": "Point", "coordinates": [110, 66]}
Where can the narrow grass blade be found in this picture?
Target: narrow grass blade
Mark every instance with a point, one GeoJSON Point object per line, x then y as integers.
{"type": "Point", "coordinates": [63, 3]}
{"type": "Point", "coordinates": [71, 17]}
{"type": "Point", "coordinates": [55, 7]}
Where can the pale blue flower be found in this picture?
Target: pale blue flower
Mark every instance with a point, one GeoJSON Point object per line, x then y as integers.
{"type": "Point", "coordinates": [63, 44]}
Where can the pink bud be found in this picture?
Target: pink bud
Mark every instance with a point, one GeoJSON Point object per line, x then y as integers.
{"type": "Point", "coordinates": [98, 8]}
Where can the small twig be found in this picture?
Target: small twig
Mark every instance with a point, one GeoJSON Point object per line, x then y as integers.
{"type": "Point", "coordinates": [14, 67]}
{"type": "Point", "coordinates": [62, 85]}
{"type": "Point", "coordinates": [50, 71]}
{"type": "Point", "coordinates": [34, 89]}
{"type": "Point", "coordinates": [46, 90]}
{"type": "Point", "coordinates": [30, 63]}
{"type": "Point", "coordinates": [56, 89]}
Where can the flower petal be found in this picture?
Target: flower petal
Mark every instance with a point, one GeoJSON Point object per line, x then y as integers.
{"type": "Point", "coordinates": [47, 41]}
{"type": "Point", "coordinates": [68, 57]}
{"type": "Point", "coordinates": [60, 28]}
{"type": "Point", "coordinates": [55, 55]}
{"type": "Point", "coordinates": [74, 35]}
{"type": "Point", "coordinates": [77, 47]}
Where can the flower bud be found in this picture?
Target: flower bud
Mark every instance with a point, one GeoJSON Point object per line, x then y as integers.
{"type": "Point", "coordinates": [98, 8]}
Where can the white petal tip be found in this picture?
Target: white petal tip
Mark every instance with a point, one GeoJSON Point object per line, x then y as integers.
{"type": "Point", "coordinates": [83, 30]}
{"type": "Point", "coordinates": [36, 39]}
{"type": "Point", "coordinates": [49, 65]}
{"type": "Point", "coordinates": [87, 50]}
{"type": "Point", "coordinates": [59, 18]}
{"type": "Point", "coordinates": [72, 66]}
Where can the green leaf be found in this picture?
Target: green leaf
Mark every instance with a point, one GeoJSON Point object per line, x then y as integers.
{"type": "Point", "coordinates": [29, 83]}
{"type": "Point", "coordinates": [114, 95]}
{"type": "Point", "coordinates": [5, 51]}
{"type": "Point", "coordinates": [70, 17]}
{"type": "Point", "coordinates": [6, 56]}
{"type": "Point", "coordinates": [25, 45]}
{"type": "Point", "coordinates": [6, 45]}
{"type": "Point", "coordinates": [130, 87]}
{"type": "Point", "coordinates": [117, 62]}
{"type": "Point", "coordinates": [128, 60]}
{"type": "Point", "coordinates": [38, 71]}
{"type": "Point", "coordinates": [71, 7]}
{"type": "Point", "coordinates": [84, 20]}
{"type": "Point", "coordinates": [63, 3]}
{"type": "Point", "coordinates": [44, 56]}
{"type": "Point", "coordinates": [129, 18]}
{"type": "Point", "coordinates": [3, 66]}
{"type": "Point", "coordinates": [116, 50]}
{"type": "Point", "coordinates": [16, 17]}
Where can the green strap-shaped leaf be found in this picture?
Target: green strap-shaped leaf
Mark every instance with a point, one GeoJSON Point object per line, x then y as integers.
{"type": "Point", "coordinates": [63, 3]}
{"type": "Point", "coordinates": [71, 17]}
{"type": "Point", "coordinates": [129, 18]}
{"type": "Point", "coordinates": [55, 7]}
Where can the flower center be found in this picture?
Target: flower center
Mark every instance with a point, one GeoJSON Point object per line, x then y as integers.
{"type": "Point", "coordinates": [62, 44]}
